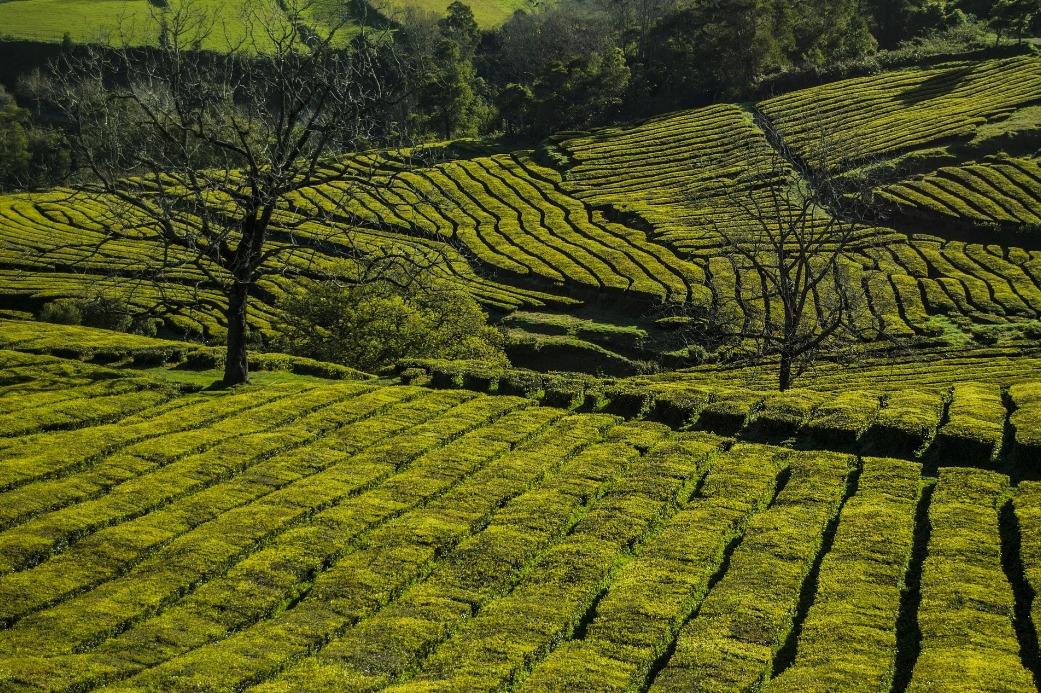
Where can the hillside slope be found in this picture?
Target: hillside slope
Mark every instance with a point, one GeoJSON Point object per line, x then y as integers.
{"type": "Point", "coordinates": [623, 224]}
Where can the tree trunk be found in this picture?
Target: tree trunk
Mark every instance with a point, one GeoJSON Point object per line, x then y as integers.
{"type": "Point", "coordinates": [785, 380]}
{"type": "Point", "coordinates": [236, 368]}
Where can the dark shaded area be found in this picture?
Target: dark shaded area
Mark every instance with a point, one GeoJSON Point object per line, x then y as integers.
{"type": "Point", "coordinates": [935, 87]}
{"type": "Point", "coordinates": [1023, 593]}
{"type": "Point", "coordinates": [908, 633]}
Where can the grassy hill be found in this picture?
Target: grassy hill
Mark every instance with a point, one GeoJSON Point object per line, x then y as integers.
{"type": "Point", "coordinates": [102, 20]}
{"type": "Point", "coordinates": [107, 21]}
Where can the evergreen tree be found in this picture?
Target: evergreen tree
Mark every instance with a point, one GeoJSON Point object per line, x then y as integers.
{"type": "Point", "coordinates": [583, 92]}
{"type": "Point", "coordinates": [448, 103]}
{"type": "Point", "coordinates": [1017, 17]}
{"type": "Point", "coordinates": [459, 26]}
{"type": "Point", "coordinates": [449, 99]}
{"type": "Point", "coordinates": [14, 143]}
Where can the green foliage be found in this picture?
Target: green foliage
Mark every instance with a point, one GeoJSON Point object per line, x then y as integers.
{"type": "Point", "coordinates": [363, 536]}
{"type": "Point", "coordinates": [843, 419]}
{"type": "Point", "coordinates": [627, 215]}
{"type": "Point", "coordinates": [448, 103]}
{"type": "Point", "coordinates": [783, 413]}
{"type": "Point", "coordinates": [974, 428]}
{"type": "Point", "coordinates": [1027, 513]}
{"type": "Point", "coordinates": [375, 324]}
{"type": "Point", "coordinates": [62, 311]}
{"type": "Point", "coordinates": [747, 616]}
{"type": "Point", "coordinates": [1017, 17]}
{"type": "Point", "coordinates": [965, 616]}
{"type": "Point", "coordinates": [915, 108]}
{"type": "Point", "coordinates": [906, 423]}
{"type": "Point", "coordinates": [655, 593]}
{"type": "Point", "coordinates": [1003, 191]}
{"type": "Point", "coordinates": [15, 154]}
{"type": "Point", "coordinates": [1026, 420]}
{"type": "Point", "coordinates": [848, 641]}
{"type": "Point", "coordinates": [459, 26]}
{"type": "Point", "coordinates": [576, 94]}
{"type": "Point", "coordinates": [387, 643]}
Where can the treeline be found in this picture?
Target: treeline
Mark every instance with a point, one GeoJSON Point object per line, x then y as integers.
{"type": "Point", "coordinates": [579, 63]}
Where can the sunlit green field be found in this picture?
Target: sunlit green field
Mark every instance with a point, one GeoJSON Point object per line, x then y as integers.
{"type": "Point", "coordinates": [379, 536]}
{"type": "Point", "coordinates": [108, 21]}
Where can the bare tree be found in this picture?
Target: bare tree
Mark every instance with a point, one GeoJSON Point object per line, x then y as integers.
{"type": "Point", "coordinates": [790, 234]}
{"type": "Point", "coordinates": [208, 152]}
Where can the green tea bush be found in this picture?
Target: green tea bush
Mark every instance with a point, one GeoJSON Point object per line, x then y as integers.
{"type": "Point", "coordinates": [906, 423]}
{"type": "Point", "coordinates": [965, 616]}
{"type": "Point", "coordinates": [747, 616]}
{"type": "Point", "coordinates": [1026, 420]}
{"type": "Point", "coordinates": [1027, 513]}
{"type": "Point", "coordinates": [975, 426]}
{"type": "Point", "coordinates": [848, 640]}
{"type": "Point", "coordinates": [576, 472]}
{"type": "Point", "coordinates": [654, 594]}
{"type": "Point", "coordinates": [783, 413]}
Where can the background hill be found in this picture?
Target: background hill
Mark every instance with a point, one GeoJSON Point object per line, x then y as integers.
{"type": "Point", "coordinates": [621, 227]}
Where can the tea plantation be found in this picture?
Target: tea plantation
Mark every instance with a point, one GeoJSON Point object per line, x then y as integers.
{"type": "Point", "coordinates": [373, 535]}
{"type": "Point", "coordinates": [457, 526]}
{"type": "Point", "coordinates": [628, 217]}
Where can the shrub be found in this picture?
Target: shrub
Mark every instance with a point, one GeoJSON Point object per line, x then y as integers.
{"type": "Point", "coordinates": [410, 376]}
{"type": "Point", "coordinates": [372, 325]}
{"type": "Point", "coordinates": [99, 310]}
{"type": "Point", "coordinates": [62, 311]}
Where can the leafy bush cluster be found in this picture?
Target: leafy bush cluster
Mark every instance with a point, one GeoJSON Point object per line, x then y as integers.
{"type": "Point", "coordinates": [98, 310]}
{"type": "Point", "coordinates": [372, 325]}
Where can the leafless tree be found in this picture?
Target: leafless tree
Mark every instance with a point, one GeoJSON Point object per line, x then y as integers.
{"type": "Point", "coordinates": [790, 229]}
{"type": "Point", "coordinates": [208, 152]}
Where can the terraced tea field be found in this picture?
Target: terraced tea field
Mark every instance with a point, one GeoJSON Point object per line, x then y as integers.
{"type": "Point", "coordinates": [456, 526]}
{"type": "Point", "coordinates": [375, 536]}
{"type": "Point", "coordinates": [1004, 190]}
{"type": "Point", "coordinates": [627, 216]}
{"type": "Point", "coordinates": [895, 112]}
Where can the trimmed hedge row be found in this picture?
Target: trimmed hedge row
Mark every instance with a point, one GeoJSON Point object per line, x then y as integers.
{"type": "Point", "coordinates": [320, 484]}
{"type": "Point", "coordinates": [748, 615]}
{"type": "Point", "coordinates": [399, 529]}
{"type": "Point", "coordinates": [975, 426]}
{"type": "Point", "coordinates": [965, 616]}
{"type": "Point", "coordinates": [1026, 420]}
{"type": "Point", "coordinates": [654, 595]}
{"type": "Point", "coordinates": [509, 637]}
{"type": "Point", "coordinates": [393, 642]}
{"type": "Point", "coordinates": [848, 641]}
